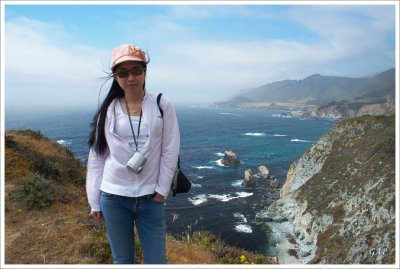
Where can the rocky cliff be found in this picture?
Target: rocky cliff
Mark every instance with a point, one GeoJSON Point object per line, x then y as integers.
{"type": "Point", "coordinates": [337, 205]}
{"type": "Point", "coordinates": [344, 110]}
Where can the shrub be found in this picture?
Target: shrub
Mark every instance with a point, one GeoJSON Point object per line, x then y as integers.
{"type": "Point", "coordinates": [100, 251]}
{"type": "Point", "coordinates": [43, 165]}
{"type": "Point", "coordinates": [38, 192]}
{"type": "Point", "coordinates": [204, 238]}
{"type": "Point", "coordinates": [28, 132]}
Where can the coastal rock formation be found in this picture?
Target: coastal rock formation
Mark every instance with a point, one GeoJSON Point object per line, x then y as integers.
{"type": "Point", "coordinates": [248, 178]}
{"type": "Point", "coordinates": [230, 158]}
{"type": "Point", "coordinates": [377, 109]}
{"type": "Point", "coordinates": [337, 205]}
{"type": "Point", "coordinates": [274, 183]}
{"type": "Point", "coordinates": [348, 110]}
{"type": "Point", "coordinates": [263, 171]}
{"type": "Point", "coordinates": [344, 110]}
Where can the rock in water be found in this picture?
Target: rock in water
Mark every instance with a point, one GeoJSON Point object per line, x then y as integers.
{"type": "Point", "coordinates": [274, 183]}
{"type": "Point", "coordinates": [248, 178]}
{"type": "Point", "coordinates": [263, 171]}
{"type": "Point", "coordinates": [230, 158]}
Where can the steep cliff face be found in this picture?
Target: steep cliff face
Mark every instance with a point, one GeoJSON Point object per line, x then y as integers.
{"type": "Point", "coordinates": [349, 110]}
{"type": "Point", "coordinates": [338, 202]}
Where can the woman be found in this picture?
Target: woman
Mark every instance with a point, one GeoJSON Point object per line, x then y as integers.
{"type": "Point", "coordinates": [132, 159]}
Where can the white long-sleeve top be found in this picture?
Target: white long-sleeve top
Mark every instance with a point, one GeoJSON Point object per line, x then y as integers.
{"type": "Point", "coordinates": [108, 172]}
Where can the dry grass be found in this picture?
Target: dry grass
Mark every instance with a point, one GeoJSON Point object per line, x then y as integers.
{"type": "Point", "coordinates": [15, 165]}
{"type": "Point", "coordinates": [57, 235]}
{"type": "Point", "coordinates": [179, 252]}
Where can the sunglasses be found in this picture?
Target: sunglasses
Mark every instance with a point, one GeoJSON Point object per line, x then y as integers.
{"type": "Point", "coordinates": [135, 71]}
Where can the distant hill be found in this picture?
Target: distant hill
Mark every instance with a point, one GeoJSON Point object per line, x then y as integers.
{"type": "Point", "coordinates": [317, 90]}
{"type": "Point", "coordinates": [378, 87]}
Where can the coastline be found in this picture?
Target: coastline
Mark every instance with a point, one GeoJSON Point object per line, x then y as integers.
{"type": "Point", "coordinates": [282, 245]}
{"type": "Point", "coordinates": [288, 248]}
{"type": "Point", "coordinates": [282, 252]}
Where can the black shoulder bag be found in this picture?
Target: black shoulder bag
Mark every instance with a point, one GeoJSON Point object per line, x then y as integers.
{"type": "Point", "coordinates": [180, 183]}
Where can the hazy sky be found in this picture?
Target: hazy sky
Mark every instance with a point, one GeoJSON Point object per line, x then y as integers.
{"type": "Point", "coordinates": [56, 55]}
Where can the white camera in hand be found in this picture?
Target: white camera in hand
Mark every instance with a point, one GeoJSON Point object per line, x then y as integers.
{"type": "Point", "coordinates": [136, 163]}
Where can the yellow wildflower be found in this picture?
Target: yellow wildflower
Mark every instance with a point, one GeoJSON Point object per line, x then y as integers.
{"type": "Point", "coordinates": [243, 259]}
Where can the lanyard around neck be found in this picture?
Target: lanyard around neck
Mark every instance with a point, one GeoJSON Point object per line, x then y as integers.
{"type": "Point", "coordinates": [130, 122]}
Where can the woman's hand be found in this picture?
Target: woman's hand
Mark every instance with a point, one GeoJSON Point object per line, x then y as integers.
{"type": "Point", "coordinates": [158, 198]}
{"type": "Point", "coordinates": [96, 215]}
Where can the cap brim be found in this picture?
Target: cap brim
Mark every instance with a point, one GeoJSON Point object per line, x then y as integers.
{"type": "Point", "coordinates": [126, 59]}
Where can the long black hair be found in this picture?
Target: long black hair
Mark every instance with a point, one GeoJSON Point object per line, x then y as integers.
{"type": "Point", "coordinates": [97, 137]}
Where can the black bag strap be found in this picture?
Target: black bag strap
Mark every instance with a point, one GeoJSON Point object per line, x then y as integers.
{"type": "Point", "coordinates": [162, 116]}
{"type": "Point", "coordinates": [158, 103]}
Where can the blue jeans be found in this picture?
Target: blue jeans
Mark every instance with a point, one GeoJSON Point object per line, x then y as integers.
{"type": "Point", "coordinates": [120, 214]}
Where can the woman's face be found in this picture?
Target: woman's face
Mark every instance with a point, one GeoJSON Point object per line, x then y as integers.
{"type": "Point", "coordinates": [130, 76]}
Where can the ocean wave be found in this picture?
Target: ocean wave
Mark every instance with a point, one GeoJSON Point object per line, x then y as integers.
{"type": "Point", "coordinates": [194, 185]}
{"type": "Point", "coordinates": [64, 142]}
{"type": "Point", "coordinates": [222, 197]}
{"type": "Point", "coordinates": [243, 228]}
{"type": "Point", "coordinates": [300, 140]}
{"type": "Point", "coordinates": [237, 183]}
{"type": "Point", "coordinates": [227, 113]}
{"type": "Point", "coordinates": [202, 198]}
{"type": "Point", "coordinates": [255, 134]}
{"type": "Point", "coordinates": [279, 135]}
{"type": "Point", "coordinates": [219, 163]}
{"type": "Point", "coordinates": [241, 217]}
{"type": "Point", "coordinates": [204, 167]}
{"type": "Point", "coordinates": [220, 154]}
{"type": "Point", "coordinates": [243, 194]}
{"type": "Point", "coordinates": [241, 225]}
{"type": "Point", "coordinates": [198, 199]}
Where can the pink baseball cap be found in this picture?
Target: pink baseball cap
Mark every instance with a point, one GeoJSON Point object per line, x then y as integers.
{"type": "Point", "coordinates": [127, 52]}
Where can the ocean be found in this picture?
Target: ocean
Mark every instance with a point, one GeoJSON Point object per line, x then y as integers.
{"type": "Point", "coordinates": [217, 202]}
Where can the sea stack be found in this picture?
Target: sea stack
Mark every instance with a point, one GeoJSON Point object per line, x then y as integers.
{"type": "Point", "coordinates": [274, 183]}
{"type": "Point", "coordinates": [230, 158]}
{"type": "Point", "coordinates": [248, 178]}
{"type": "Point", "coordinates": [263, 172]}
